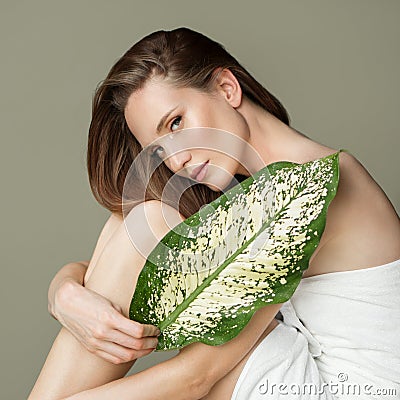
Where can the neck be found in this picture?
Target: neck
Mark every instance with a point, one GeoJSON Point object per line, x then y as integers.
{"type": "Point", "coordinates": [274, 141]}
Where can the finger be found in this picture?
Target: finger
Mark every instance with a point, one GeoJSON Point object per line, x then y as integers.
{"type": "Point", "coordinates": [133, 328]}
{"type": "Point", "coordinates": [115, 351]}
{"type": "Point", "coordinates": [108, 357]}
{"type": "Point", "coordinates": [150, 330]}
{"type": "Point", "coordinates": [116, 360]}
{"type": "Point", "coordinates": [130, 342]}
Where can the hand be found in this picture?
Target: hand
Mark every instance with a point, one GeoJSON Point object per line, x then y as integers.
{"type": "Point", "coordinates": [100, 326]}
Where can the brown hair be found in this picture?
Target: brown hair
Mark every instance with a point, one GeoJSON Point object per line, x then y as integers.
{"type": "Point", "coordinates": [185, 58]}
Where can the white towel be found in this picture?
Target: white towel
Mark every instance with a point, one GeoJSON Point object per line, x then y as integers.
{"type": "Point", "coordinates": [341, 329]}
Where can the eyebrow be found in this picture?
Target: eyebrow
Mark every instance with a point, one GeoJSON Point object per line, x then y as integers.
{"type": "Point", "coordinates": [163, 119]}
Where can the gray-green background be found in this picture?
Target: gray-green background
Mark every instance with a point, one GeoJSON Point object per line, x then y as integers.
{"type": "Point", "coordinates": [333, 64]}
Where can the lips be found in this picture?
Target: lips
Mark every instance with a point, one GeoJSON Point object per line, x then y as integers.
{"type": "Point", "coordinates": [196, 171]}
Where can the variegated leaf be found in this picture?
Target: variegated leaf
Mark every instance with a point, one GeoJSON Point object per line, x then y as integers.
{"type": "Point", "coordinates": [209, 274]}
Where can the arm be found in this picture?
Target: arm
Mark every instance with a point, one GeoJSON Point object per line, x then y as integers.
{"type": "Point", "coordinates": [70, 367]}
{"type": "Point", "coordinates": [192, 373]}
{"type": "Point", "coordinates": [78, 309]}
{"type": "Point", "coordinates": [195, 369]}
{"type": "Point", "coordinates": [73, 273]}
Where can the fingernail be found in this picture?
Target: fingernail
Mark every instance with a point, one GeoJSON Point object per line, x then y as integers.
{"type": "Point", "coordinates": [158, 332]}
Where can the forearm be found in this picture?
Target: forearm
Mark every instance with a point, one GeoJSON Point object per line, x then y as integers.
{"type": "Point", "coordinates": [172, 379]}
{"type": "Point", "coordinates": [72, 272]}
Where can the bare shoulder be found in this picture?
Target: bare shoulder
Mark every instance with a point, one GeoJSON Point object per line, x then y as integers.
{"type": "Point", "coordinates": [361, 199]}
{"type": "Point", "coordinates": [362, 227]}
{"type": "Point", "coordinates": [113, 222]}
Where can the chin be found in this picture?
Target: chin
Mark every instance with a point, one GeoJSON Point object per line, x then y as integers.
{"type": "Point", "coordinates": [221, 184]}
{"type": "Point", "coordinates": [213, 188]}
{"type": "Point", "coordinates": [220, 178]}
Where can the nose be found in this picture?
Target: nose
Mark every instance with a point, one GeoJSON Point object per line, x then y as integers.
{"type": "Point", "coordinates": [178, 161]}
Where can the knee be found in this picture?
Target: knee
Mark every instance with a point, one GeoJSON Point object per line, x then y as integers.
{"type": "Point", "coordinates": [148, 222]}
{"type": "Point", "coordinates": [125, 253]}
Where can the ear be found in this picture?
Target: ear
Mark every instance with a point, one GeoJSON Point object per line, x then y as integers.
{"type": "Point", "coordinates": [228, 86]}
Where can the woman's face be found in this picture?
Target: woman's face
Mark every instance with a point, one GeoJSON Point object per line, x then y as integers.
{"type": "Point", "coordinates": [161, 106]}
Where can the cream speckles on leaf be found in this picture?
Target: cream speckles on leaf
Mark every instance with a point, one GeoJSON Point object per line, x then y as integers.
{"type": "Point", "coordinates": [246, 249]}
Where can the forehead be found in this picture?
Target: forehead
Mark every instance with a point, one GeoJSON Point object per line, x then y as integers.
{"type": "Point", "coordinates": [146, 106]}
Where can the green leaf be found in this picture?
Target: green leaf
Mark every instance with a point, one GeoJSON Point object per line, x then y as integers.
{"type": "Point", "coordinates": [246, 249]}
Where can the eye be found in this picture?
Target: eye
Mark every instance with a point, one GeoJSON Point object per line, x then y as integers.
{"type": "Point", "coordinates": [159, 148]}
{"type": "Point", "coordinates": [175, 119]}
{"type": "Point", "coordinates": [154, 152]}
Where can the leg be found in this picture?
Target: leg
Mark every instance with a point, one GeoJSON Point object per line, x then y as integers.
{"type": "Point", "coordinates": [114, 277]}
{"type": "Point", "coordinates": [70, 369]}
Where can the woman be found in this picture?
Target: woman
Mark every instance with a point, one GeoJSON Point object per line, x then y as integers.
{"type": "Point", "coordinates": [204, 86]}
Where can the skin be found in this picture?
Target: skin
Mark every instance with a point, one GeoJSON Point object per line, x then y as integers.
{"type": "Point", "coordinates": [352, 216]}
{"type": "Point", "coordinates": [189, 375]}
{"type": "Point", "coordinates": [360, 220]}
